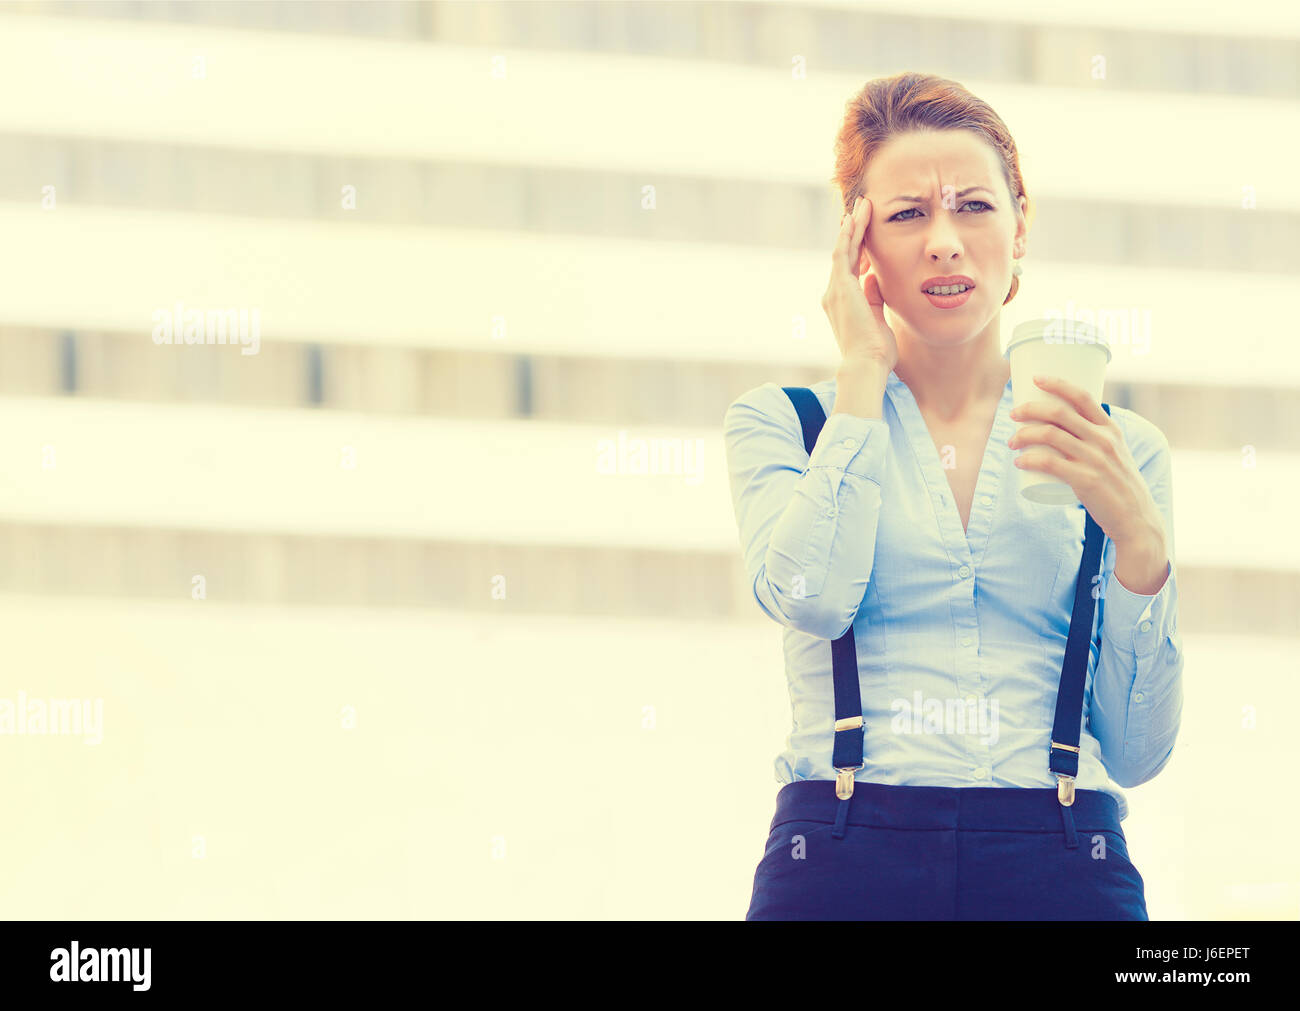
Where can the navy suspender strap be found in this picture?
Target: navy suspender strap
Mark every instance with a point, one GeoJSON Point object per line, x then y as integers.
{"type": "Point", "coordinates": [846, 757]}
{"type": "Point", "coordinates": [1063, 753]}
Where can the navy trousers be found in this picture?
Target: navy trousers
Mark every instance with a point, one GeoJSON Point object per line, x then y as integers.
{"type": "Point", "coordinates": [944, 853]}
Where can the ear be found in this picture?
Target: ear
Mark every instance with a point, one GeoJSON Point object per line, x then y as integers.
{"type": "Point", "coordinates": [1024, 218]}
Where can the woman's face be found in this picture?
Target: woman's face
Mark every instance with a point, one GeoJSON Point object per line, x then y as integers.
{"type": "Point", "coordinates": [935, 232]}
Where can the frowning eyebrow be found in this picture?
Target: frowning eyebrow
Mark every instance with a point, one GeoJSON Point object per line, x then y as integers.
{"type": "Point", "coordinates": [968, 189]}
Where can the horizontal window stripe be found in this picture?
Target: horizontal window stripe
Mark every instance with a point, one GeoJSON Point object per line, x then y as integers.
{"type": "Point", "coordinates": [414, 193]}
{"type": "Point", "coordinates": [1254, 51]}
{"type": "Point", "coordinates": [278, 92]}
{"type": "Point", "coordinates": [258, 469]}
{"type": "Point", "coordinates": [87, 268]}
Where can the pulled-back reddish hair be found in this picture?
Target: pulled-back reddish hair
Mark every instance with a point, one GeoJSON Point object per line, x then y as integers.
{"type": "Point", "coordinates": [888, 106]}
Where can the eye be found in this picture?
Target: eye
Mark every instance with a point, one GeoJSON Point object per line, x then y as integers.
{"type": "Point", "coordinates": [987, 207]}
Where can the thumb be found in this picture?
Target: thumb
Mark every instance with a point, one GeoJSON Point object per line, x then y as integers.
{"type": "Point", "coordinates": [877, 301]}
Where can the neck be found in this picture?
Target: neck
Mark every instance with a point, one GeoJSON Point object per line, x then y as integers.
{"type": "Point", "coordinates": [953, 381]}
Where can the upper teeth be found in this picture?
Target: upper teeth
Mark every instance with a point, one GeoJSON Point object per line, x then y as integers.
{"type": "Point", "coordinates": [947, 289]}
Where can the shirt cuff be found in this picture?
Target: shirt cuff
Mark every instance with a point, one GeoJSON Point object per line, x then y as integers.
{"type": "Point", "coordinates": [1135, 621]}
{"type": "Point", "coordinates": [852, 444]}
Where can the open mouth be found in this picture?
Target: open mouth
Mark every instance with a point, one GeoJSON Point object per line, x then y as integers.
{"type": "Point", "coordinates": [956, 295]}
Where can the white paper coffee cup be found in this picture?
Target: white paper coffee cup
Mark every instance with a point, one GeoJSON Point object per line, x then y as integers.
{"type": "Point", "coordinates": [1068, 349]}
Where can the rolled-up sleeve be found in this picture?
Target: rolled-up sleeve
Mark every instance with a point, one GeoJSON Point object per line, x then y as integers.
{"type": "Point", "coordinates": [807, 525]}
{"type": "Point", "coordinates": [1137, 691]}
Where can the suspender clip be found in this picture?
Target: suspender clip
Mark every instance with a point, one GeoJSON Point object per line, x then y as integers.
{"type": "Point", "coordinates": [844, 782]}
{"type": "Point", "coordinates": [844, 779]}
{"type": "Point", "coordinates": [1064, 783]}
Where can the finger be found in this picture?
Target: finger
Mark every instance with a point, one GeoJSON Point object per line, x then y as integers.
{"type": "Point", "coordinates": [876, 301]}
{"type": "Point", "coordinates": [861, 221]}
{"type": "Point", "coordinates": [840, 252]}
{"type": "Point", "coordinates": [1049, 435]}
{"type": "Point", "coordinates": [1063, 415]}
{"type": "Point", "coordinates": [1080, 398]}
{"type": "Point", "coordinates": [1045, 462]}
{"type": "Point", "coordinates": [872, 290]}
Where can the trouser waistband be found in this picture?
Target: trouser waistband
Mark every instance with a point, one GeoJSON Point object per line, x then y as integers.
{"type": "Point", "coordinates": [992, 809]}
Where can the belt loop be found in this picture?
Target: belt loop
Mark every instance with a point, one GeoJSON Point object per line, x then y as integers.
{"type": "Point", "coordinates": [1067, 820]}
{"type": "Point", "coordinates": [841, 817]}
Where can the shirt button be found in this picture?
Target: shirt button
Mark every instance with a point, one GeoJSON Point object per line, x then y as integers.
{"type": "Point", "coordinates": [981, 772]}
{"type": "Point", "coordinates": [848, 443]}
{"type": "Point", "coordinates": [986, 500]}
{"type": "Point", "coordinates": [1137, 697]}
{"type": "Point", "coordinates": [965, 640]}
{"type": "Point", "coordinates": [1145, 626]}
{"type": "Point", "coordinates": [964, 571]}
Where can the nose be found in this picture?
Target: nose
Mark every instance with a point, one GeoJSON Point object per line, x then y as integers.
{"type": "Point", "coordinates": [942, 241]}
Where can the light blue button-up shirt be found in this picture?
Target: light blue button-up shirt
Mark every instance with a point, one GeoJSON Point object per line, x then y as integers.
{"type": "Point", "coordinates": [960, 635]}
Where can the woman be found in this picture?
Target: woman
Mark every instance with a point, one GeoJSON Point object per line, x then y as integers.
{"type": "Point", "coordinates": [968, 670]}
